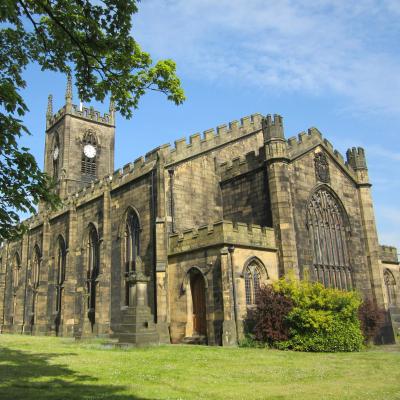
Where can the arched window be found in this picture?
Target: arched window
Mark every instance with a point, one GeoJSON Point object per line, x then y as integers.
{"type": "Point", "coordinates": [252, 279]}
{"type": "Point", "coordinates": [327, 223]}
{"type": "Point", "coordinates": [15, 283]}
{"type": "Point", "coordinates": [92, 272]}
{"type": "Point", "coordinates": [89, 156]}
{"type": "Point", "coordinates": [61, 258]}
{"type": "Point", "coordinates": [35, 279]}
{"type": "Point", "coordinates": [131, 246]}
{"type": "Point", "coordinates": [390, 284]}
{"type": "Point", "coordinates": [35, 274]}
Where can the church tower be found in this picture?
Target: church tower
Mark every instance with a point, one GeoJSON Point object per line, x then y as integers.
{"type": "Point", "coordinates": [79, 145]}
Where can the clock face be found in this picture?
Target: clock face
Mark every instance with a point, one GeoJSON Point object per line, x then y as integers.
{"type": "Point", "coordinates": [89, 151]}
{"type": "Point", "coordinates": [56, 152]}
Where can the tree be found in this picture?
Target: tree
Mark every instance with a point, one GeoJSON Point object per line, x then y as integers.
{"type": "Point", "coordinates": [90, 39]}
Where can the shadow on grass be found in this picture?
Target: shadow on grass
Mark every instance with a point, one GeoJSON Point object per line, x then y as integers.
{"type": "Point", "coordinates": [31, 376]}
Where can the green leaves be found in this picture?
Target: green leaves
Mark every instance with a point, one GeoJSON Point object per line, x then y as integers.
{"type": "Point", "coordinates": [92, 39]}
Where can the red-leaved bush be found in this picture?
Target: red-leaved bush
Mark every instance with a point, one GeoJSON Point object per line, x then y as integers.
{"type": "Point", "coordinates": [272, 309]}
{"type": "Point", "coordinates": [371, 319]}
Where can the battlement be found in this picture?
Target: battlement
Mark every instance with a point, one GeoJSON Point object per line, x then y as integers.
{"type": "Point", "coordinates": [388, 254]}
{"type": "Point", "coordinates": [240, 165]}
{"type": "Point", "coordinates": [211, 138]}
{"type": "Point", "coordinates": [222, 233]}
{"type": "Point", "coordinates": [88, 113]}
{"type": "Point", "coordinates": [273, 127]}
{"type": "Point", "coordinates": [356, 158]}
{"type": "Point", "coordinates": [313, 137]}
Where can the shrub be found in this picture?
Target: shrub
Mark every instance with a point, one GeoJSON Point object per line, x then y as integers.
{"type": "Point", "coordinates": [272, 309]}
{"type": "Point", "coordinates": [371, 318]}
{"type": "Point", "coordinates": [322, 319]}
{"type": "Point", "coordinates": [306, 316]}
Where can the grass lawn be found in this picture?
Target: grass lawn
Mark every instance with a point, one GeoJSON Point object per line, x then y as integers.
{"type": "Point", "coordinates": [57, 368]}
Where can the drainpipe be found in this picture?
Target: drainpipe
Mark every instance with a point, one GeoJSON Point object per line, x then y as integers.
{"type": "Point", "coordinates": [26, 283]}
{"type": "Point", "coordinates": [171, 197]}
{"type": "Point", "coordinates": [231, 250]}
{"type": "Point", "coordinates": [6, 284]}
{"type": "Point", "coordinates": [154, 237]}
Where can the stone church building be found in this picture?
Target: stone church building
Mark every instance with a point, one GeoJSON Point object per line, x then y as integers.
{"type": "Point", "coordinates": [174, 246]}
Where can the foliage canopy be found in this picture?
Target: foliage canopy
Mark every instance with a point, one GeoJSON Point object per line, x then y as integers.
{"type": "Point", "coordinates": [92, 40]}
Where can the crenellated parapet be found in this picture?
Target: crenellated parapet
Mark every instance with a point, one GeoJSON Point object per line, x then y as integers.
{"type": "Point", "coordinates": [305, 141]}
{"type": "Point", "coordinates": [388, 254]}
{"type": "Point", "coordinates": [273, 127]}
{"type": "Point", "coordinates": [356, 158]}
{"type": "Point", "coordinates": [211, 138]}
{"type": "Point", "coordinates": [240, 165]}
{"type": "Point", "coordinates": [222, 233]}
{"type": "Point", "coordinates": [86, 113]}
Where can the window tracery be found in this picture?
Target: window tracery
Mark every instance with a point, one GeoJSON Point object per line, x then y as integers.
{"type": "Point", "coordinates": [61, 257]}
{"type": "Point", "coordinates": [92, 272]}
{"type": "Point", "coordinates": [326, 224]}
{"type": "Point", "coordinates": [390, 284]}
{"type": "Point", "coordinates": [132, 243]}
{"type": "Point", "coordinates": [252, 278]}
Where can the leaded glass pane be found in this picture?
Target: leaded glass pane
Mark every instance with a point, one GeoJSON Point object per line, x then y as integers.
{"type": "Point", "coordinates": [325, 222]}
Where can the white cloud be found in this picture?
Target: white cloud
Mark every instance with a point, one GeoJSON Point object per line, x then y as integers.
{"type": "Point", "coordinates": [340, 47]}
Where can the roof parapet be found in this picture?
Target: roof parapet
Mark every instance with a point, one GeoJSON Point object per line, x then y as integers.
{"type": "Point", "coordinates": [212, 137]}
{"type": "Point", "coordinates": [222, 232]}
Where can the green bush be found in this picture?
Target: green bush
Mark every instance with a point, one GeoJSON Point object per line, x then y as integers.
{"type": "Point", "coordinates": [320, 319]}
{"type": "Point", "coordinates": [324, 320]}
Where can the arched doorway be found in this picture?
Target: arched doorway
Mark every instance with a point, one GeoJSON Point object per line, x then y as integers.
{"type": "Point", "coordinates": [198, 292]}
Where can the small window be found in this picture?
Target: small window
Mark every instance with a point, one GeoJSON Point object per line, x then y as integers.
{"type": "Point", "coordinates": [252, 282]}
{"type": "Point", "coordinates": [92, 273]}
{"type": "Point", "coordinates": [390, 284]}
{"type": "Point", "coordinates": [132, 231]}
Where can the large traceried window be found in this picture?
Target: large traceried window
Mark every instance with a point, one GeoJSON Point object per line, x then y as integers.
{"type": "Point", "coordinates": [89, 156]}
{"type": "Point", "coordinates": [390, 284]}
{"type": "Point", "coordinates": [327, 224]}
{"type": "Point", "coordinates": [131, 246]}
{"type": "Point", "coordinates": [252, 282]}
{"type": "Point", "coordinates": [61, 260]}
{"type": "Point", "coordinates": [92, 272]}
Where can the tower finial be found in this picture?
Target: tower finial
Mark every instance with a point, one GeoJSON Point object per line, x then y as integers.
{"type": "Point", "coordinates": [68, 92]}
{"type": "Point", "coordinates": [49, 112]}
{"type": "Point", "coordinates": [112, 106]}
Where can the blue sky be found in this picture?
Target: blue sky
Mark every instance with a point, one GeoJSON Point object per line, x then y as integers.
{"type": "Point", "coordinates": [330, 64]}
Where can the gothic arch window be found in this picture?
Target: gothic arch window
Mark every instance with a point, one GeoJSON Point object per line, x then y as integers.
{"type": "Point", "coordinates": [93, 269]}
{"type": "Point", "coordinates": [252, 281]}
{"type": "Point", "coordinates": [327, 225]}
{"type": "Point", "coordinates": [390, 284]}
{"type": "Point", "coordinates": [61, 261]}
{"type": "Point", "coordinates": [131, 246]}
{"type": "Point", "coordinates": [16, 275]}
{"type": "Point", "coordinates": [89, 155]}
{"type": "Point", "coordinates": [35, 274]}
{"type": "Point", "coordinates": [35, 279]}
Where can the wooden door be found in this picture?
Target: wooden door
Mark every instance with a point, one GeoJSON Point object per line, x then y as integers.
{"type": "Point", "coordinates": [199, 304]}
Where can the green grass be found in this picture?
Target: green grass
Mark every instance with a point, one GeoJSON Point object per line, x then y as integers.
{"type": "Point", "coordinates": [57, 368]}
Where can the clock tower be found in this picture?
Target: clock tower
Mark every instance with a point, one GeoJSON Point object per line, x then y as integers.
{"type": "Point", "coordinates": [79, 145]}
